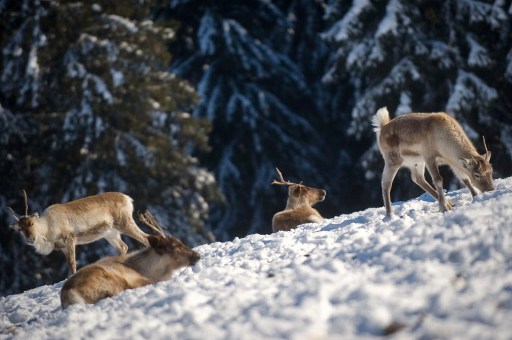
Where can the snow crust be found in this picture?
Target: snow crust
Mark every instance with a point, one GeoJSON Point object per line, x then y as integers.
{"type": "Point", "coordinates": [421, 274]}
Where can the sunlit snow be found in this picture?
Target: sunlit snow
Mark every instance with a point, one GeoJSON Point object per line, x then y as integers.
{"type": "Point", "coordinates": [423, 274]}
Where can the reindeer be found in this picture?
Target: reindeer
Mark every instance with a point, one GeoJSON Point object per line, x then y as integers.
{"type": "Point", "coordinates": [298, 207]}
{"type": "Point", "coordinates": [114, 274]}
{"type": "Point", "coordinates": [63, 226]}
{"type": "Point", "coordinates": [417, 140]}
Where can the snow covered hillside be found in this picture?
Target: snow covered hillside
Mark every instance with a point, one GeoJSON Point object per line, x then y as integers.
{"type": "Point", "coordinates": [422, 274]}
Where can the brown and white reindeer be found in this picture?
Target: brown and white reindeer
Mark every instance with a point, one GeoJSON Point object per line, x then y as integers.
{"type": "Point", "coordinates": [417, 140]}
{"type": "Point", "coordinates": [299, 208]}
{"type": "Point", "coordinates": [114, 274]}
{"type": "Point", "coordinates": [63, 226]}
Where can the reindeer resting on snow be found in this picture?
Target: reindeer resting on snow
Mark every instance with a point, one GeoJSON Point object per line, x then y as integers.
{"type": "Point", "coordinates": [417, 140]}
{"type": "Point", "coordinates": [111, 275]}
{"type": "Point", "coordinates": [63, 226]}
{"type": "Point", "coordinates": [298, 207]}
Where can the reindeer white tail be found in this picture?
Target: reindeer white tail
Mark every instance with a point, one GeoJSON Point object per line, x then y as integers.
{"type": "Point", "coordinates": [380, 119]}
{"type": "Point", "coordinates": [72, 297]}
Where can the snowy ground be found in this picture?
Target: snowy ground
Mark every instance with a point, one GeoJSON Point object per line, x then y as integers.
{"type": "Point", "coordinates": [421, 275]}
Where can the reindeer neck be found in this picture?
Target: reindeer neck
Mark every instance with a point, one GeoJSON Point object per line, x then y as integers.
{"type": "Point", "coordinates": [140, 259]}
{"type": "Point", "coordinates": [293, 204]}
{"type": "Point", "coordinates": [289, 205]}
{"type": "Point", "coordinates": [42, 226]}
{"type": "Point", "coordinates": [452, 156]}
{"type": "Point", "coordinates": [149, 264]}
{"type": "Point", "coordinates": [41, 243]}
{"type": "Point", "coordinates": [465, 148]}
{"type": "Point", "coordinates": [468, 152]}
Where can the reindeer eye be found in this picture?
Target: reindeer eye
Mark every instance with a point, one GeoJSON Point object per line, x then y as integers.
{"type": "Point", "coordinates": [476, 175]}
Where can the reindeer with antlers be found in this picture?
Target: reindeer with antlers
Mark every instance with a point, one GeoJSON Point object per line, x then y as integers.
{"type": "Point", "coordinates": [299, 208]}
{"type": "Point", "coordinates": [63, 226]}
{"type": "Point", "coordinates": [419, 140]}
{"type": "Point", "coordinates": [114, 274]}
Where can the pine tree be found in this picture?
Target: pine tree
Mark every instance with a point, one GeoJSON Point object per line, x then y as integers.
{"type": "Point", "coordinates": [338, 170]}
{"type": "Point", "coordinates": [87, 106]}
{"type": "Point", "coordinates": [239, 56]}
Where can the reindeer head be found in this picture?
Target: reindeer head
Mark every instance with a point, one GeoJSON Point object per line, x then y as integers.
{"type": "Point", "coordinates": [167, 245]}
{"type": "Point", "coordinates": [479, 170]}
{"type": "Point", "coordinates": [170, 246]}
{"type": "Point", "coordinates": [26, 224]}
{"type": "Point", "coordinates": [300, 194]}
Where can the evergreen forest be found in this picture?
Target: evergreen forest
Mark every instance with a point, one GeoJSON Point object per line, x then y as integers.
{"type": "Point", "coordinates": [188, 106]}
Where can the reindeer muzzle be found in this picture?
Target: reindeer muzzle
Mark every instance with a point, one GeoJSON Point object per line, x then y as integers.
{"type": "Point", "coordinates": [323, 193]}
{"type": "Point", "coordinates": [30, 240]}
{"type": "Point", "coordinates": [194, 258]}
{"type": "Point", "coordinates": [490, 187]}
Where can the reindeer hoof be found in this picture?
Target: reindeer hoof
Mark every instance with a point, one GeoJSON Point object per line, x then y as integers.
{"type": "Point", "coordinates": [446, 207]}
{"type": "Point", "coordinates": [449, 204]}
{"type": "Point", "coordinates": [387, 218]}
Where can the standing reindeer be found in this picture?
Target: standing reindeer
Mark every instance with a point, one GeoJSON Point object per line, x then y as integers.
{"type": "Point", "coordinates": [417, 140]}
{"type": "Point", "coordinates": [113, 274]}
{"type": "Point", "coordinates": [63, 226]}
{"type": "Point", "coordinates": [298, 207]}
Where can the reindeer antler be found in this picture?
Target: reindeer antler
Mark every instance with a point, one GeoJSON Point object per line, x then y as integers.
{"type": "Point", "coordinates": [148, 219]}
{"type": "Point", "coordinates": [281, 179]}
{"type": "Point", "coordinates": [26, 202]}
{"type": "Point", "coordinates": [13, 214]}
{"type": "Point", "coordinates": [485, 145]}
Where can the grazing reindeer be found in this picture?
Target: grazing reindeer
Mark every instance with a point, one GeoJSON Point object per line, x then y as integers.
{"type": "Point", "coordinates": [432, 139]}
{"type": "Point", "coordinates": [111, 275]}
{"type": "Point", "coordinates": [298, 207]}
{"type": "Point", "coordinates": [63, 226]}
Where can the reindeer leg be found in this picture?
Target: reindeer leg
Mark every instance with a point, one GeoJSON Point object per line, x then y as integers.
{"type": "Point", "coordinates": [114, 238]}
{"type": "Point", "coordinates": [388, 175]}
{"type": "Point", "coordinates": [418, 177]}
{"type": "Point", "coordinates": [470, 186]}
{"type": "Point", "coordinates": [69, 253]}
{"type": "Point", "coordinates": [131, 229]}
{"type": "Point", "coordinates": [438, 182]}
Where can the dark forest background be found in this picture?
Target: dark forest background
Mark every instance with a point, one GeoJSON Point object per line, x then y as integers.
{"type": "Point", "coordinates": [188, 106]}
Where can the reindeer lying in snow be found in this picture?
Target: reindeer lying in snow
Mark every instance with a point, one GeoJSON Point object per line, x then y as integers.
{"type": "Point", "coordinates": [417, 140]}
{"type": "Point", "coordinates": [298, 207]}
{"type": "Point", "coordinates": [111, 275]}
{"type": "Point", "coordinates": [63, 226]}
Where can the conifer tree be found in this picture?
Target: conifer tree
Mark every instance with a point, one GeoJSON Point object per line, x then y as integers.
{"type": "Point", "coordinates": [258, 99]}
{"type": "Point", "coordinates": [425, 56]}
{"type": "Point", "coordinates": [87, 106]}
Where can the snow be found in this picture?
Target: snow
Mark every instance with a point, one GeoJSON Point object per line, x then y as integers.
{"type": "Point", "coordinates": [127, 24]}
{"type": "Point", "coordinates": [404, 106]}
{"type": "Point", "coordinates": [389, 24]}
{"type": "Point", "coordinates": [478, 56]}
{"type": "Point", "coordinates": [469, 88]}
{"type": "Point", "coordinates": [207, 34]}
{"type": "Point", "coordinates": [479, 12]}
{"type": "Point", "coordinates": [422, 273]}
{"type": "Point", "coordinates": [506, 137]}
{"type": "Point", "coordinates": [344, 29]}
{"type": "Point", "coordinates": [508, 72]}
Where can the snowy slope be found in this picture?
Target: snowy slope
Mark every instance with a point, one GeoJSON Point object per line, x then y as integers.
{"type": "Point", "coordinates": [421, 275]}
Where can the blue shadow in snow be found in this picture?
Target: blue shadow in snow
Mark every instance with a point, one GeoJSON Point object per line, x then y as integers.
{"type": "Point", "coordinates": [357, 220]}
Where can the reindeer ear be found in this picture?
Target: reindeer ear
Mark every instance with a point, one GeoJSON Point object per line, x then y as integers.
{"type": "Point", "coordinates": [466, 163]}
{"type": "Point", "coordinates": [153, 241]}
{"type": "Point", "coordinates": [156, 243]}
{"type": "Point", "coordinates": [487, 156]}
